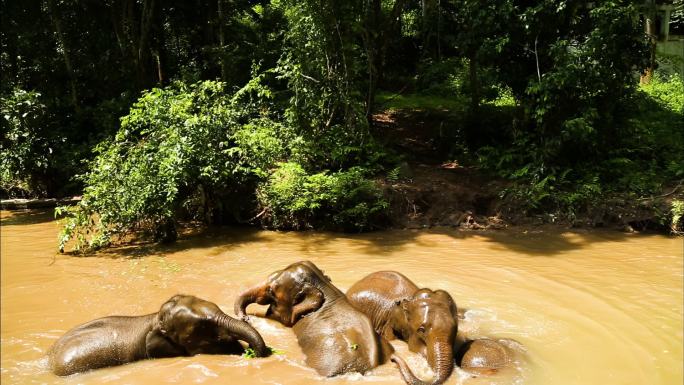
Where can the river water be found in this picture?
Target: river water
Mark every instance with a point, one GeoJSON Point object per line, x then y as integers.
{"type": "Point", "coordinates": [598, 307]}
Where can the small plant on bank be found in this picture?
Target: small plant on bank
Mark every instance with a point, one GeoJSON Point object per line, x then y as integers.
{"type": "Point", "coordinates": [677, 222]}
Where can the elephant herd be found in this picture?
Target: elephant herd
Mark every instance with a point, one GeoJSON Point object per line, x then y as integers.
{"type": "Point", "coordinates": [339, 333]}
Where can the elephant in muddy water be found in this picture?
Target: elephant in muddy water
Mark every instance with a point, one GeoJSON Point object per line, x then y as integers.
{"type": "Point", "coordinates": [427, 320]}
{"type": "Point", "coordinates": [483, 356]}
{"type": "Point", "coordinates": [184, 326]}
{"type": "Point", "coordinates": [335, 337]}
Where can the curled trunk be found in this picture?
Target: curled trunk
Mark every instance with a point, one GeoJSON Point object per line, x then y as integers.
{"type": "Point", "coordinates": [441, 360]}
{"type": "Point", "coordinates": [255, 294]}
{"type": "Point", "coordinates": [244, 332]}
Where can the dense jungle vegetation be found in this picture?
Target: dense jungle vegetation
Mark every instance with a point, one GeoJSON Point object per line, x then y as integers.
{"type": "Point", "coordinates": [226, 111]}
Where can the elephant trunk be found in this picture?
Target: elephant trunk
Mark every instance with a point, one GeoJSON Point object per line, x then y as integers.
{"type": "Point", "coordinates": [256, 294]}
{"type": "Point", "coordinates": [440, 358]}
{"type": "Point", "coordinates": [244, 332]}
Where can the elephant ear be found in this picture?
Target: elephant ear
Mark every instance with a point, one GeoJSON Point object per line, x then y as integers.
{"type": "Point", "coordinates": [404, 305]}
{"type": "Point", "coordinates": [311, 300]}
{"type": "Point", "coordinates": [157, 345]}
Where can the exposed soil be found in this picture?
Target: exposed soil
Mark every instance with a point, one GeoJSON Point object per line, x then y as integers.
{"type": "Point", "coordinates": [429, 190]}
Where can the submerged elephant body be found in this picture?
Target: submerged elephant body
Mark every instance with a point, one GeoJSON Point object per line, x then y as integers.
{"type": "Point", "coordinates": [483, 356]}
{"type": "Point", "coordinates": [346, 337]}
{"type": "Point", "coordinates": [184, 326]}
{"type": "Point", "coordinates": [335, 337]}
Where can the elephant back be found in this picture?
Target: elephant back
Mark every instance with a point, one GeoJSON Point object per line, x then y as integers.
{"type": "Point", "coordinates": [338, 339]}
{"type": "Point", "coordinates": [376, 294]}
{"type": "Point", "coordinates": [483, 354]}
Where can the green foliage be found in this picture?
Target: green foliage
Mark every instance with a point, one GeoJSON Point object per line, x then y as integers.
{"type": "Point", "coordinates": [27, 143]}
{"type": "Point", "coordinates": [442, 78]}
{"type": "Point", "coordinates": [321, 65]}
{"type": "Point", "coordinates": [647, 152]}
{"type": "Point", "coordinates": [667, 91]}
{"type": "Point", "coordinates": [393, 175]}
{"type": "Point", "coordinates": [177, 146]}
{"type": "Point", "coordinates": [571, 107]}
{"type": "Point", "coordinates": [345, 200]}
{"type": "Point", "coordinates": [409, 102]}
{"type": "Point", "coordinates": [677, 212]}
{"type": "Point", "coordinates": [553, 105]}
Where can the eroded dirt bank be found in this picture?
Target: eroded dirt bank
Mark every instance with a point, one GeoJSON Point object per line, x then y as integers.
{"type": "Point", "coordinates": [425, 190]}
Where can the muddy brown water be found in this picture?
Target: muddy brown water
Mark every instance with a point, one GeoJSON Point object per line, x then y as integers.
{"type": "Point", "coordinates": [576, 307]}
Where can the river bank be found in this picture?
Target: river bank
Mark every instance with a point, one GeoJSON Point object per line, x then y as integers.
{"type": "Point", "coordinates": [37, 203]}
{"type": "Point", "coordinates": [451, 195]}
{"type": "Point", "coordinates": [427, 191]}
{"type": "Point", "coordinates": [434, 186]}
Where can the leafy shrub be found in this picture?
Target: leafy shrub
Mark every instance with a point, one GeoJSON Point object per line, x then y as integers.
{"type": "Point", "coordinates": [677, 212]}
{"type": "Point", "coordinates": [645, 151]}
{"type": "Point", "coordinates": [27, 143]}
{"type": "Point", "coordinates": [442, 78]}
{"type": "Point", "coordinates": [342, 200]}
{"type": "Point", "coordinates": [668, 91]}
{"type": "Point", "coordinates": [183, 147]}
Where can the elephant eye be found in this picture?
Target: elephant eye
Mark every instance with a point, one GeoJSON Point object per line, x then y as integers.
{"type": "Point", "coordinates": [421, 329]}
{"type": "Point", "coordinates": [299, 298]}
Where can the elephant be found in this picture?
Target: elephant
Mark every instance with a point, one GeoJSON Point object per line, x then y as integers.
{"type": "Point", "coordinates": [184, 326]}
{"type": "Point", "coordinates": [335, 337]}
{"type": "Point", "coordinates": [483, 356]}
{"type": "Point", "coordinates": [426, 319]}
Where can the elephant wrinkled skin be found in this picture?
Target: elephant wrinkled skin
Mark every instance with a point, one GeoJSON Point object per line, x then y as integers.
{"type": "Point", "coordinates": [483, 356]}
{"type": "Point", "coordinates": [184, 326]}
{"type": "Point", "coordinates": [426, 319]}
{"type": "Point", "coordinates": [335, 337]}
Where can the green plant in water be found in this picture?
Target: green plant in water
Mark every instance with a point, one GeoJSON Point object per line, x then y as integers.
{"type": "Point", "coordinates": [250, 353]}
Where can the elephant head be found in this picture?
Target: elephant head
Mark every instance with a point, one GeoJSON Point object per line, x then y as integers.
{"type": "Point", "coordinates": [187, 325]}
{"type": "Point", "coordinates": [291, 293]}
{"type": "Point", "coordinates": [428, 321]}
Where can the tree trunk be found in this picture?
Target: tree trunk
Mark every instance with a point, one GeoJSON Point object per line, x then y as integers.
{"type": "Point", "coordinates": [222, 40]}
{"type": "Point", "coordinates": [57, 23]}
{"type": "Point", "coordinates": [143, 52]}
{"type": "Point", "coordinates": [372, 34]}
{"type": "Point", "coordinates": [379, 33]}
{"type": "Point", "coordinates": [474, 84]}
{"type": "Point", "coordinates": [652, 34]}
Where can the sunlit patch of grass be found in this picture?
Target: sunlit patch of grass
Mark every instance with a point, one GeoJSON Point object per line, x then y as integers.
{"type": "Point", "coordinates": [392, 101]}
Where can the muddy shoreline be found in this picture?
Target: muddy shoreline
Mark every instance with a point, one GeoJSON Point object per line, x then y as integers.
{"type": "Point", "coordinates": [447, 195]}
{"type": "Point", "coordinates": [37, 203]}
